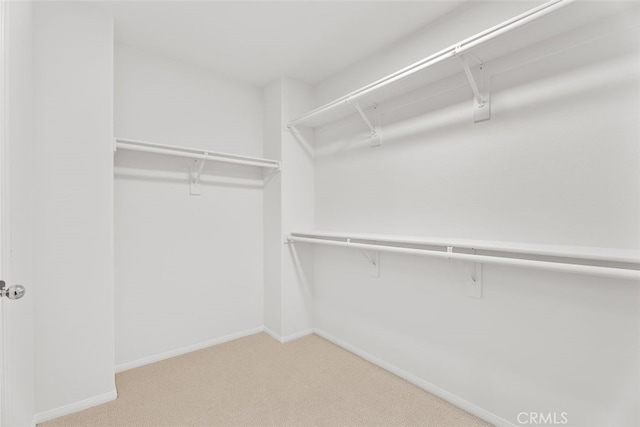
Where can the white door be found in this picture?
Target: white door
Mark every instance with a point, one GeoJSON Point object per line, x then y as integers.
{"type": "Point", "coordinates": [16, 216]}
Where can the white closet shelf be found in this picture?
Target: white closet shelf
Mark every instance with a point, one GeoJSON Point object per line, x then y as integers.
{"type": "Point", "coordinates": [571, 259]}
{"type": "Point", "coordinates": [194, 153]}
{"type": "Point", "coordinates": [538, 24]}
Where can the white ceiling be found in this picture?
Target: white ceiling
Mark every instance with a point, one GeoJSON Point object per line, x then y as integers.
{"type": "Point", "coordinates": [258, 41]}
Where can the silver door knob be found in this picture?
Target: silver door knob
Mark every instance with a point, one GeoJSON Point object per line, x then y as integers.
{"type": "Point", "coordinates": [12, 292]}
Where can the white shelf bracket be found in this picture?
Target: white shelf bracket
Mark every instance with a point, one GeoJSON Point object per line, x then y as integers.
{"type": "Point", "coordinates": [474, 286]}
{"type": "Point", "coordinates": [479, 86]}
{"type": "Point", "coordinates": [374, 259]}
{"type": "Point", "coordinates": [196, 171]}
{"type": "Point", "coordinates": [291, 128]}
{"type": "Point", "coordinates": [374, 128]}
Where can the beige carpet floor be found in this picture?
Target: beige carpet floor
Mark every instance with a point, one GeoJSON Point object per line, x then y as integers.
{"type": "Point", "coordinates": [256, 381]}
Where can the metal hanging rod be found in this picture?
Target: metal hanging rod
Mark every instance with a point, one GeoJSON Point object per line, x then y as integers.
{"type": "Point", "coordinates": [193, 153]}
{"type": "Point", "coordinates": [620, 273]}
{"type": "Point", "coordinates": [452, 51]}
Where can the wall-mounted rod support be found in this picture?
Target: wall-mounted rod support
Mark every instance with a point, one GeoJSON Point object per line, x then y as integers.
{"type": "Point", "coordinates": [196, 172]}
{"type": "Point", "coordinates": [291, 128]}
{"type": "Point", "coordinates": [371, 258]}
{"type": "Point", "coordinates": [374, 128]}
{"type": "Point", "coordinates": [199, 172]}
{"type": "Point", "coordinates": [479, 84]}
{"type": "Point", "coordinates": [374, 260]}
{"type": "Point", "coordinates": [474, 286]}
{"type": "Point", "coordinates": [472, 81]}
{"type": "Point", "coordinates": [359, 109]}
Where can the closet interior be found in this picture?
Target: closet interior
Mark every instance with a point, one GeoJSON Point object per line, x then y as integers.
{"type": "Point", "coordinates": [458, 205]}
{"type": "Point", "coordinates": [427, 220]}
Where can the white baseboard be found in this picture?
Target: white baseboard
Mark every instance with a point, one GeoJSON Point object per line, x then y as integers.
{"type": "Point", "coordinates": [296, 335]}
{"type": "Point", "coordinates": [188, 349]}
{"type": "Point", "coordinates": [273, 335]}
{"type": "Point", "coordinates": [288, 338]}
{"type": "Point", "coordinates": [415, 380]}
{"type": "Point", "coordinates": [74, 407]}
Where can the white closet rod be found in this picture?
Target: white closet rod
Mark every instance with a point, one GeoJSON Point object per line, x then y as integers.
{"type": "Point", "coordinates": [620, 273]}
{"type": "Point", "coordinates": [151, 147]}
{"type": "Point", "coordinates": [457, 49]}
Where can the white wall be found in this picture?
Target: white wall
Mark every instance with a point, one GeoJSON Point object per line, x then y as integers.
{"type": "Point", "coordinates": [188, 268]}
{"type": "Point", "coordinates": [73, 179]}
{"type": "Point", "coordinates": [272, 199]}
{"type": "Point", "coordinates": [289, 204]}
{"type": "Point", "coordinates": [297, 212]}
{"type": "Point", "coordinates": [17, 320]}
{"type": "Point", "coordinates": [556, 164]}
